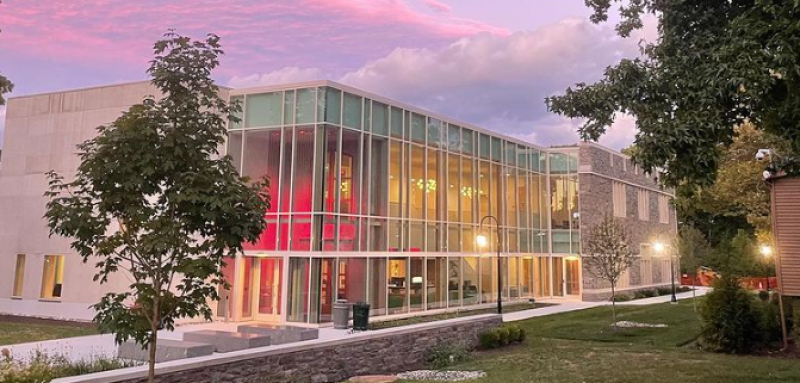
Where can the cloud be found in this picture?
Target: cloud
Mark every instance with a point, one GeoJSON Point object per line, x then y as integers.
{"type": "Point", "coordinates": [498, 82]}
{"type": "Point", "coordinates": [281, 76]}
{"type": "Point", "coordinates": [438, 6]}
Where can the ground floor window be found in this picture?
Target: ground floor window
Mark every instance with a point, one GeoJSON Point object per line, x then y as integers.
{"type": "Point", "coordinates": [52, 277]}
{"type": "Point", "coordinates": [397, 284]}
{"type": "Point", "coordinates": [19, 276]}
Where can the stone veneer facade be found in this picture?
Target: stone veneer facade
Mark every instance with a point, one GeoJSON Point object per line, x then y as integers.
{"type": "Point", "coordinates": [598, 169]}
{"type": "Point", "coordinates": [387, 351]}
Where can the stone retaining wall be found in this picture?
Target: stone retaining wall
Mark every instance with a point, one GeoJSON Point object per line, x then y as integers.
{"type": "Point", "coordinates": [376, 352]}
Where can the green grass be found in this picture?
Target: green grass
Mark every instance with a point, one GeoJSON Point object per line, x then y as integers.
{"type": "Point", "coordinates": [507, 308]}
{"type": "Point", "coordinates": [581, 347]}
{"type": "Point", "coordinates": [22, 330]}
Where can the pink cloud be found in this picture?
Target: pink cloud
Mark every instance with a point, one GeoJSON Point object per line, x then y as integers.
{"type": "Point", "coordinates": [438, 6]}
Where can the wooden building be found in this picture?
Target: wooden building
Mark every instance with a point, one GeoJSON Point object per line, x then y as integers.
{"type": "Point", "coordinates": [786, 231]}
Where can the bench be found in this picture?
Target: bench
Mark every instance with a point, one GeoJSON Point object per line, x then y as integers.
{"type": "Point", "coordinates": [280, 334]}
{"type": "Point", "coordinates": [166, 350]}
{"type": "Point", "coordinates": [224, 341]}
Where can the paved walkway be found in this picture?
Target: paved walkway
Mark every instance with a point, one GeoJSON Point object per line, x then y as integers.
{"type": "Point", "coordinates": [88, 347]}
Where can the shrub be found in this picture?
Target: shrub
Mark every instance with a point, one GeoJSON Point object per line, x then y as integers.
{"type": "Point", "coordinates": [504, 336]}
{"type": "Point", "coordinates": [770, 320]}
{"type": "Point", "coordinates": [445, 355]}
{"type": "Point", "coordinates": [42, 367]}
{"type": "Point", "coordinates": [731, 322]}
{"type": "Point", "coordinates": [489, 339]}
{"type": "Point", "coordinates": [622, 298]}
{"type": "Point", "coordinates": [763, 295]}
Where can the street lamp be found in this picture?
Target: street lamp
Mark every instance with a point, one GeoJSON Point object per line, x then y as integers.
{"type": "Point", "coordinates": [660, 248]}
{"type": "Point", "coordinates": [483, 241]}
{"type": "Point", "coordinates": [766, 251]}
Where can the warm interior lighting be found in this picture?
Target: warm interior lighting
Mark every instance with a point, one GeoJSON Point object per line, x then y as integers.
{"type": "Point", "coordinates": [482, 240]}
{"type": "Point", "coordinates": [658, 247]}
{"type": "Point", "coordinates": [766, 250]}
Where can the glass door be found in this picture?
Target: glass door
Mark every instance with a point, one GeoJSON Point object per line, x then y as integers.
{"type": "Point", "coordinates": [268, 287]}
{"type": "Point", "coordinates": [573, 273]}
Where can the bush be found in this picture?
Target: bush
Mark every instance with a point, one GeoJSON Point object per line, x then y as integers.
{"type": "Point", "coordinates": [489, 339]}
{"type": "Point", "coordinates": [501, 336]}
{"type": "Point", "coordinates": [445, 355]}
{"type": "Point", "coordinates": [732, 322]}
{"type": "Point", "coordinates": [763, 295]}
{"type": "Point", "coordinates": [43, 367]}
{"type": "Point", "coordinates": [770, 320]}
{"type": "Point", "coordinates": [622, 298]}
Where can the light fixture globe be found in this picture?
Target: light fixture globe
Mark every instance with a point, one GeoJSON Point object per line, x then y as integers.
{"type": "Point", "coordinates": [482, 240]}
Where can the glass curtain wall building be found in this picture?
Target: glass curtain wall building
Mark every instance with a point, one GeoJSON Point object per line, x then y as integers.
{"type": "Point", "coordinates": [379, 202]}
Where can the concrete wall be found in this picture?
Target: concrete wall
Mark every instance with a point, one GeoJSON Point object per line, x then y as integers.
{"type": "Point", "coordinates": [375, 352]}
{"type": "Point", "coordinates": [41, 134]}
{"type": "Point", "coordinates": [598, 168]}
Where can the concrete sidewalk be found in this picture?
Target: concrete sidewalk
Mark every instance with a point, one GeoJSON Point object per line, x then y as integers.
{"type": "Point", "coordinates": [700, 291]}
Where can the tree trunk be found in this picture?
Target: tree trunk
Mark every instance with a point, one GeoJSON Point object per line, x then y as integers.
{"type": "Point", "coordinates": [613, 307]}
{"type": "Point", "coordinates": [151, 374]}
{"type": "Point", "coordinates": [694, 291]}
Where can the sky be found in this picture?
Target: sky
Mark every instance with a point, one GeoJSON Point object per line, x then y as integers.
{"type": "Point", "coordinates": [486, 62]}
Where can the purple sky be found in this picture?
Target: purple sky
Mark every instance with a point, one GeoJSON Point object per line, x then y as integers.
{"type": "Point", "coordinates": [488, 62]}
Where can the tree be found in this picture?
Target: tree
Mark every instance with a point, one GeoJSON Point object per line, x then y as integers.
{"type": "Point", "coordinates": [608, 255]}
{"type": "Point", "coordinates": [694, 250]}
{"type": "Point", "coordinates": [6, 86]}
{"type": "Point", "coordinates": [715, 66]}
{"type": "Point", "coordinates": [152, 197]}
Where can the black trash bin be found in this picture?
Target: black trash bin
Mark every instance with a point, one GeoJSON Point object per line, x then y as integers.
{"type": "Point", "coordinates": [361, 316]}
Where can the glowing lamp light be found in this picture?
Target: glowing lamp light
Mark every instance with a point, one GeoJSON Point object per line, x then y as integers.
{"type": "Point", "coordinates": [658, 247]}
{"type": "Point", "coordinates": [766, 250]}
{"type": "Point", "coordinates": [482, 240]}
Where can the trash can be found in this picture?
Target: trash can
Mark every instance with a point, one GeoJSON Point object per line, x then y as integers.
{"type": "Point", "coordinates": [341, 314]}
{"type": "Point", "coordinates": [361, 316]}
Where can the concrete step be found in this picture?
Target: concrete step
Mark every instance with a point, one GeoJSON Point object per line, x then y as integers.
{"type": "Point", "coordinates": [166, 350]}
{"type": "Point", "coordinates": [280, 334]}
{"type": "Point", "coordinates": [225, 341]}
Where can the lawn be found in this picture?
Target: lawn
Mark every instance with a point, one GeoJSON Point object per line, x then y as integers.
{"type": "Point", "coordinates": [581, 347]}
{"type": "Point", "coordinates": [507, 308]}
{"type": "Point", "coordinates": [14, 330]}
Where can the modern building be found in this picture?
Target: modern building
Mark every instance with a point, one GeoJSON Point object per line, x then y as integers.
{"type": "Point", "coordinates": [372, 200]}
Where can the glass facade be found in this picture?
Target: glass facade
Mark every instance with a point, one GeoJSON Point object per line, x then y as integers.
{"type": "Point", "coordinates": [375, 203]}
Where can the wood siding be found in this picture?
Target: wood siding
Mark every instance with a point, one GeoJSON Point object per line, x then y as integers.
{"type": "Point", "coordinates": [786, 230]}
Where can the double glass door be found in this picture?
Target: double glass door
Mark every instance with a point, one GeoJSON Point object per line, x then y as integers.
{"type": "Point", "coordinates": [263, 288]}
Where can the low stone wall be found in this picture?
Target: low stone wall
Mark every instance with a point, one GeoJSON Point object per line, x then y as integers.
{"type": "Point", "coordinates": [386, 351]}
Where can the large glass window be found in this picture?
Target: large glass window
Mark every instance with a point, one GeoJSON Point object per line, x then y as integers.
{"type": "Point", "coordinates": [496, 193]}
{"type": "Point", "coordinates": [513, 278]}
{"type": "Point", "coordinates": [417, 286]}
{"type": "Point", "coordinates": [301, 232]}
{"type": "Point", "coordinates": [523, 199]}
{"type": "Point", "coordinates": [470, 279]}
{"type": "Point", "coordinates": [377, 234]}
{"type": "Point", "coordinates": [433, 242]}
{"type": "Point", "coordinates": [526, 276]}
{"type": "Point", "coordinates": [453, 238]}
{"type": "Point", "coordinates": [432, 186]}
{"type": "Point", "coordinates": [236, 122]}
{"type": "Point", "coordinates": [235, 141]}
{"type": "Point", "coordinates": [417, 128]}
{"type": "Point", "coordinates": [398, 285]}
{"type": "Point", "coordinates": [377, 286]}
{"type": "Point", "coordinates": [352, 111]}
{"type": "Point", "coordinates": [305, 110]}
{"type": "Point", "coordinates": [453, 138]}
{"type": "Point", "coordinates": [322, 290]}
{"type": "Point", "coordinates": [286, 189]}
{"type": "Point", "coordinates": [484, 146]}
{"type": "Point", "coordinates": [19, 276]}
{"type": "Point", "coordinates": [417, 183]}
{"type": "Point", "coordinates": [468, 141]}
{"type": "Point", "coordinates": [395, 179]}
{"type": "Point", "coordinates": [488, 288]}
{"type": "Point", "coordinates": [434, 132]}
{"type": "Point", "coordinates": [469, 191]}
{"type": "Point", "coordinates": [454, 282]}
{"type": "Point", "coordinates": [350, 173]}
{"type": "Point", "coordinates": [497, 149]}
{"type": "Point", "coordinates": [483, 189]}
{"type": "Point", "coordinates": [396, 122]}
{"type": "Point", "coordinates": [52, 277]}
{"type": "Point", "coordinates": [247, 289]}
{"type": "Point", "coordinates": [264, 109]}
{"type": "Point", "coordinates": [331, 169]}
{"type": "Point", "coordinates": [288, 107]}
{"type": "Point", "coordinates": [262, 157]}
{"type": "Point", "coordinates": [379, 182]}
{"type": "Point", "coordinates": [558, 277]}
{"type": "Point", "coordinates": [302, 182]}
{"type": "Point", "coordinates": [543, 277]}
{"type": "Point", "coordinates": [380, 118]}
{"type": "Point", "coordinates": [417, 236]}
{"type": "Point", "coordinates": [395, 235]}
{"type": "Point", "coordinates": [298, 290]}
{"type": "Point", "coordinates": [453, 188]}
{"type": "Point", "coordinates": [348, 233]}
{"type": "Point", "coordinates": [352, 282]}
{"type": "Point", "coordinates": [511, 197]}
{"type": "Point", "coordinates": [436, 282]}
{"type": "Point", "coordinates": [560, 203]}
{"type": "Point", "coordinates": [333, 105]}
{"type": "Point", "coordinates": [536, 201]}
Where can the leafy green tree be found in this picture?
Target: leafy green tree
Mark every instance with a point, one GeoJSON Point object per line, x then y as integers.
{"type": "Point", "coordinates": [715, 65]}
{"type": "Point", "coordinates": [154, 199]}
{"type": "Point", "coordinates": [6, 86]}
{"type": "Point", "coordinates": [731, 319]}
{"type": "Point", "coordinates": [694, 251]}
{"type": "Point", "coordinates": [608, 255]}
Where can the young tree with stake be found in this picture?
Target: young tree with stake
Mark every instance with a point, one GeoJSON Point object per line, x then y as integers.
{"type": "Point", "coordinates": [608, 255]}
{"type": "Point", "coordinates": [154, 198]}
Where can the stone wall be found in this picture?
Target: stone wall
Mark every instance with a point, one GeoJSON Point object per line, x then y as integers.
{"type": "Point", "coordinates": [376, 352]}
{"type": "Point", "coordinates": [598, 169]}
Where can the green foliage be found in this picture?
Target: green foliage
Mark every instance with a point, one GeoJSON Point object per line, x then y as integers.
{"type": "Point", "coordinates": [6, 85]}
{"type": "Point", "coordinates": [501, 336]}
{"type": "Point", "coordinates": [445, 355]}
{"type": "Point", "coordinates": [42, 367]}
{"type": "Point", "coordinates": [731, 320]}
{"type": "Point", "coordinates": [608, 254]}
{"type": "Point", "coordinates": [153, 197]}
{"type": "Point", "coordinates": [714, 66]}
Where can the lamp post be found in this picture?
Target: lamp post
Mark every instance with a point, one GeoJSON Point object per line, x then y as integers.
{"type": "Point", "coordinates": [766, 251]}
{"type": "Point", "coordinates": [483, 242]}
{"type": "Point", "coordinates": [660, 248]}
